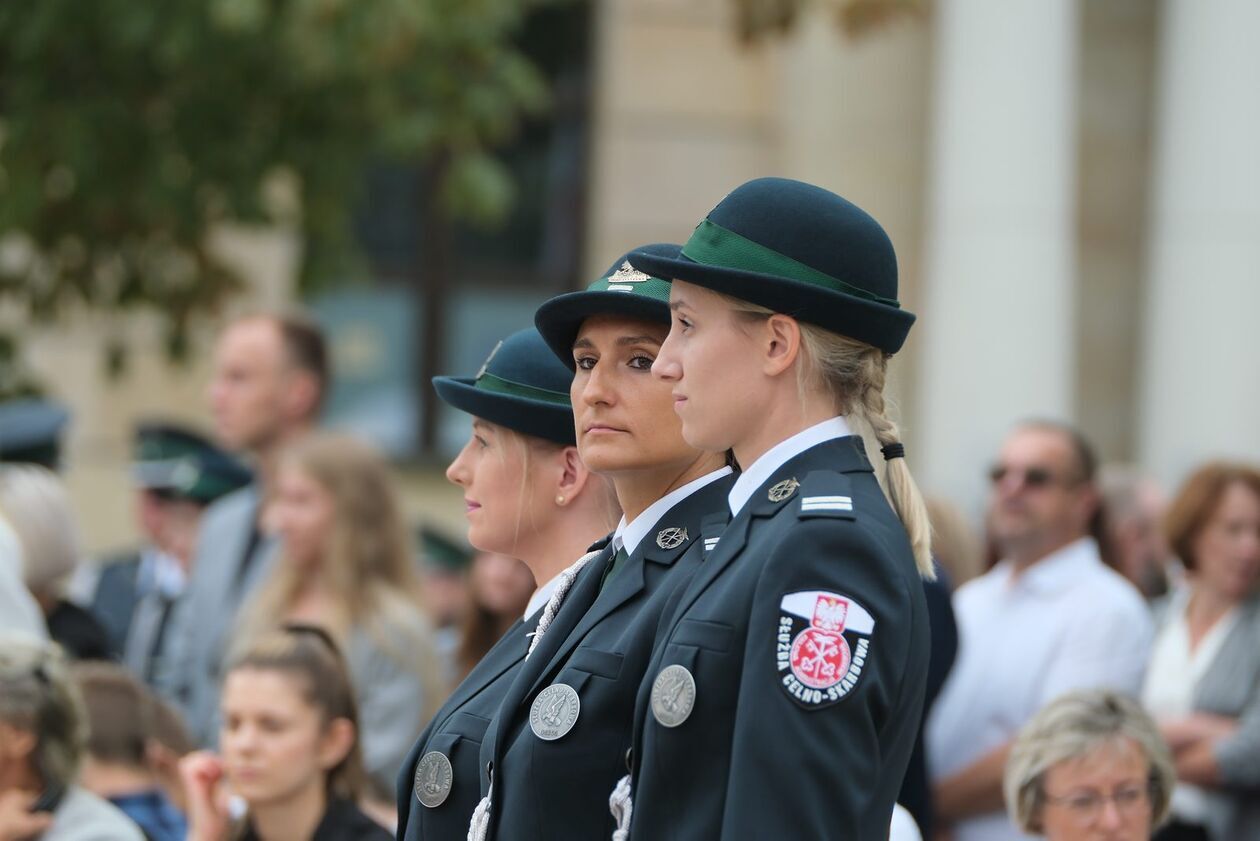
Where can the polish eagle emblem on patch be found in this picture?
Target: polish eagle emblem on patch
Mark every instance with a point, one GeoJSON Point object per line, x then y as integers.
{"type": "Point", "coordinates": [823, 642]}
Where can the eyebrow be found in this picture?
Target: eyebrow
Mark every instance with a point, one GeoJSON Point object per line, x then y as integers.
{"type": "Point", "coordinates": [621, 341]}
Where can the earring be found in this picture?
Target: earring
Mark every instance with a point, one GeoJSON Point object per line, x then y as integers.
{"type": "Point", "coordinates": [559, 500]}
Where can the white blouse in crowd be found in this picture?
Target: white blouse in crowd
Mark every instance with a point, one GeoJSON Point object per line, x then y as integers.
{"type": "Point", "coordinates": [1172, 679]}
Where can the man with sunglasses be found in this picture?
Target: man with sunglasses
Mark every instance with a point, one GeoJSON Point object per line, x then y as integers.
{"type": "Point", "coordinates": [1049, 617]}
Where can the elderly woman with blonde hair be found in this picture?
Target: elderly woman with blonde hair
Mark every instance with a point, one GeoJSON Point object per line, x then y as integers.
{"type": "Point", "coordinates": [1089, 766]}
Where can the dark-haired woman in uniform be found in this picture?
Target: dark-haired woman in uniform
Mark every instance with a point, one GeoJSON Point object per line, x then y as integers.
{"type": "Point", "coordinates": [527, 495]}
{"type": "Point", "coordinates": [558, 744]}
{"type": "Point", "coordinates": [785, 688]}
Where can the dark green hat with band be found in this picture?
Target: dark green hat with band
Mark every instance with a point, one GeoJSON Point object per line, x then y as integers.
{"type": "Point", "coordinates": [181, 463]}
{"type": "Point", "coordinates": [800, 250]}
{"type": "Point", "coordinates": [521, 386]}
{"type": "Point", "coordinates": [623, 290]}
{"type": "Point", "coordinates": [30, 432]}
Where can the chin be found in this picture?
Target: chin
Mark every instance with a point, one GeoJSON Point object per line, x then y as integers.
{"type": "Point", "coordinates": [709, 440]}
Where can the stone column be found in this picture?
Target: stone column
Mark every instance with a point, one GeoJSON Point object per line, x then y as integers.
{"type": "Point", "coordinates": [997, 332]}
{"type": "Point", "coordinates": [1200, 387]}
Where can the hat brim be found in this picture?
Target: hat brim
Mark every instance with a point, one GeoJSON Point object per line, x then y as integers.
{"type": "Point", "coordinates": [881, 325]}
{"type": "Point", "coordinates": [549, 421]}
{"type": "Point", "coordinates": [560, 319]}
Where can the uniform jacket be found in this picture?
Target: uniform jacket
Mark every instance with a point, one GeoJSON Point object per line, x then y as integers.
{"type": "Point", "coordinates": [558, 789]}
{"type": "Point", "coordinates": [791, 733]}
{"type": "Point", "coordinates": [221, 579]}
{"type": "Point", "coordinates": [456, 731]}
{"type": "Point", "coordinates": [116, 595]}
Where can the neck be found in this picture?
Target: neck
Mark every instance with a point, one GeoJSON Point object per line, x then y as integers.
{"type": "Point", "coordinates": [549, 553]}
{"type": "Point", "coordinates": [1207, 605]}
{"type": "Point", "coordinates": [267, 455]}
{"type": "Point", "coordinates": [295, 817]}
{"type": "Point", "coordinates": [1025, 557]}
{"type": "Point", "coordinates": [113, 779]}
{"type": "Point", "coordinates": [638, 490]}
{"type": "Point", "coordinates": [785, 416]}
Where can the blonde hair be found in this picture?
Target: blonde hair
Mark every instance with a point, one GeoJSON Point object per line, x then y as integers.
{"type": "Point", "coordinates": [310, 655]}
{"type": "Point", "coordinates": [38, 696]}
{"type": "Point", "coordinates": [1071, 727]}
{"type": "Point", "coordinates": [368, 562]}
{"type": "Point", "coordinates": [854, 373]}
{"type": "Point", "coordinates": [38, 508]}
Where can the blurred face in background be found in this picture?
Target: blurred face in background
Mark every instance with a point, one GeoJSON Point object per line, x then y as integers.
{"type": "Point", "coordinates": [1039, 500]}
{"type": "Point", "coordinates": [508, 487]}
{"type": "Point", "coordinates": [250, 391]}
{"type": "Point", "coordinates": [1227, 549]}
{"type": "Point", "coordinates": [1102, 796]}
{"type": "Point", "coordinates": [302, 511]}
{"type": "Point", "coordinates": [169, 523]}
{"type": "Point", "coordinates": [275, 743]}
{"type": "Point", "coordinates": [500, 584]}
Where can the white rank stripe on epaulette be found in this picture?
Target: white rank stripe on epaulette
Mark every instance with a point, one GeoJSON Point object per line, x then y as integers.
{"type": "Point", "coordinates": [826, 503]}
{"type": "Point", "coordinates": [710, 543]}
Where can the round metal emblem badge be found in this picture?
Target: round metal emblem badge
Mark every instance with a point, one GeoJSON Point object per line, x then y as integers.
{"type": "Point", "coordinates": [433, 779]}
{"type": "Point", "coordinates": [554, 712]}
{"type": "Point", "coordinates": [673, 695]}
{"type": "Point", "coordinates": [671, 538]}
{"type": "Point", "coordinates": [783, 490]}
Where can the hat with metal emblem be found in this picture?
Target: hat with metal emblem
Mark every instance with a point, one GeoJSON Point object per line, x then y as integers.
{"type": "Point", "coordinates": [800, 250]}
{"type": "Point", "coordinates": [521, 386]}
{"type": "Point", "coordinates": [179, 462]}
{"type": "Point", "coordinates": [623, 290]}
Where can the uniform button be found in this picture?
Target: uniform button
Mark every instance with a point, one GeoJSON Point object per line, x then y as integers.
{"type": "Point", "coordinates": [490, 770]}
{"type": "Point", "coordinates": [630, 759]}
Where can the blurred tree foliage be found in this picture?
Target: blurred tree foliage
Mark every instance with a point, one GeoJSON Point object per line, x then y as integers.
{"type": "Point", "coordinates": [129, 129]}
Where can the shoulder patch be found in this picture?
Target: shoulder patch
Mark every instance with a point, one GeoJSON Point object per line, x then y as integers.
{"type": "Point", "coordinates": [824, 639]}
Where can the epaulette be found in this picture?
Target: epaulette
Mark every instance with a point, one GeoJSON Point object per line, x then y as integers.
{"type": "Point", "coordinates": [825, 493]}
{"type": "Point", "coordinates": [598, 545]}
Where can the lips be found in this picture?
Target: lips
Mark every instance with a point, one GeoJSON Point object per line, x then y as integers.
{"type": "Point", "coordinates": [471, 506]}
{"type": "Point", "coordinates": [600, 429]}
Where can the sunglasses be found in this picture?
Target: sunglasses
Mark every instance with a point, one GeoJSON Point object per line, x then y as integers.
{"type": "Point", "coordinates": [1030, 477]}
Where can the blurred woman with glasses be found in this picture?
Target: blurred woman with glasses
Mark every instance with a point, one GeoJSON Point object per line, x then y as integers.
{"type": "Point", "coordinates": [1090, 766]}
{"type": "Point", "coordinates": [1203, 681]}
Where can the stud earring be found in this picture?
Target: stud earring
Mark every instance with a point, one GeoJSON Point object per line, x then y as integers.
{"type": "Point", "coordinates": [559, 500]}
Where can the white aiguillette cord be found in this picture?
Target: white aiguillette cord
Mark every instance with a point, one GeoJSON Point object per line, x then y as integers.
{"type": "Point", "coordinates": [621, 805]}
{"type": "Point", "coordinates": [480, 823]}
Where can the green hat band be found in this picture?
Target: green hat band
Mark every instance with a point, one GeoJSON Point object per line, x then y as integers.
{"type": "Point", "coordinates": [713, 245]}
{"type": "Point", "coordinates": [489, 382]}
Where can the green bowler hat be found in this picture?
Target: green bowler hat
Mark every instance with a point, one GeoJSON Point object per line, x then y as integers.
{"type": "Point", "coordinates": [521, 386]}
{"type": "Point", "coordinates": [623, 290]}
{"type": "Point", "coordinates": [178, 462]}
{"type": "Point", "coordinates": [442, 552]}
{"type": "Point", "coordinates": [799, 250]}
{"type": "Point", "coordinates": [30, 432]}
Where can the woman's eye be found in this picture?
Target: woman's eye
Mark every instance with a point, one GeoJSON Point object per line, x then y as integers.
{"type": "Point", "coordinates": [641, 362]}
{"type": "Point", "coordinates": [585, 363]}
{"type": "Point", "coordinates": [481, 442]}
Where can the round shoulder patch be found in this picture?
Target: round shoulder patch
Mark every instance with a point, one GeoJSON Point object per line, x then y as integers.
{"type": "Point", "coordinates": [823, 642]}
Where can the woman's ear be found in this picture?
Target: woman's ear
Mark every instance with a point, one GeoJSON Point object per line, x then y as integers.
{"type": "Point", "coordinates": [573, 476]}
{"type": "Point", "coordinates": [781, 343]}
{"type": "Point", "coordinates": [337, 742]}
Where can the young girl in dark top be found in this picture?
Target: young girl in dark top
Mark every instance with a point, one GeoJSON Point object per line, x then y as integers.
{"type": "Point", "coordinates": [289, 748]}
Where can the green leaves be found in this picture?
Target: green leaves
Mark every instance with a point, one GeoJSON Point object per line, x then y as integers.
{"type": "Point", "coordinates": [127, 130]}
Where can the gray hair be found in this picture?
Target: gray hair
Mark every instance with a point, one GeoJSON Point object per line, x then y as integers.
{"type": "Point", "coordinates": [1073, 726]}
{"type": "Point", "coordinates": [37, 505]}
{"type": "Point", "coordinates": [38, 697]}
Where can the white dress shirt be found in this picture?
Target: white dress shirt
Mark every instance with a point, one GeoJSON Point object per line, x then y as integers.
{"type": "Point", "coordinates": [772, 459]}
{"type": "Point", "coordinates": [628, 536]}
{"type": "Point", "coordinates": [541, 596]}
{"type": "Point", "coordinates": [1171, 682]}
{"type": "Point", "coordinates": [1067, 622]}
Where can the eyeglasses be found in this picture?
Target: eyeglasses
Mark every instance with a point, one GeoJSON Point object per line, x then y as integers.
{"type": "Point", "coordinates": [1033, 478]}
{"type": "Point", "coordinates": [1086, 807]}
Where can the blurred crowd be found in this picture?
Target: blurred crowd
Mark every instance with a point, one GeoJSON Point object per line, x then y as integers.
{"type": "Point", "coordinates": [260, 665]}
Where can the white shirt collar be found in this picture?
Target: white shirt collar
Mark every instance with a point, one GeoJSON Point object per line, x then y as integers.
{"type": "Point", "coordinates": [541, 596]}
{"type": "Point", "coordinates": [1057, 570]}
{"type": "Point", "coordinates": [630, 535]}
{"type": "Point", "coordinates": [772, 459]}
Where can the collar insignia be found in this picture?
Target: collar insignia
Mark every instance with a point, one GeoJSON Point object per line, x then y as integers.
{"type": "Point", "coordinates": [783, 490]}
{"type": "Point", "coordinates": [671, 538]}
